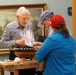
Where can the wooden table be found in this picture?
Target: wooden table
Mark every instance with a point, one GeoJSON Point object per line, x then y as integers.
{"type": "Point", "coordinates": [14, 67]}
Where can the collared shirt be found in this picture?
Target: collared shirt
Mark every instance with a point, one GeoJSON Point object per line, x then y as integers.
{"type": "Point", "coordinates": [14, 31]}
{"type": "Point", "coordinates": [50, 31]}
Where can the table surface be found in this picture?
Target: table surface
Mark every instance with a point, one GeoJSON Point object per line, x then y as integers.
{"type": "Point", "coordinates": [11, 66]}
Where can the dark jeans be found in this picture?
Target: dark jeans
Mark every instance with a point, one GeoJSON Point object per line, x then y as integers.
{"type": "Point", "coordinates": [39, 72]}
{"type": "Point", "coordinates": [23, 71]}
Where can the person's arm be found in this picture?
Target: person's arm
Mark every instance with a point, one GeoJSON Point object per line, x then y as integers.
{"type": "Point", "coordinates": [45, 49]}
{"type": "Point", "coordinates": [6, 39]}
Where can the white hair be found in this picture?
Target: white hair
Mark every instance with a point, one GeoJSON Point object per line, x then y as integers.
{"type": "Point", "coordinates": [22, 10]}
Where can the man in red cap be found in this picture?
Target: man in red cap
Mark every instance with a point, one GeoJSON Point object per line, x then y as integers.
{"type": "Point", "coordinates": [58, 50]}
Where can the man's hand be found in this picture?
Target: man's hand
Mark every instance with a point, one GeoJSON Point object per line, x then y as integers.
{"type": "Point", "coordinates": [37, 45]}
{"type": "Point", "coordinates": [20, 42]}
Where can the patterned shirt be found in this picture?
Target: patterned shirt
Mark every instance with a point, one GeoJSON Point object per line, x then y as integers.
{"type": "Point", "coordinates": [14, 31]}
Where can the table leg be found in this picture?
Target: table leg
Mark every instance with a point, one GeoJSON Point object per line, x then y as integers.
{"type": "Point", "coordinates": [16, 72]}
{"type": "Point", "coordinates": [1, 72]}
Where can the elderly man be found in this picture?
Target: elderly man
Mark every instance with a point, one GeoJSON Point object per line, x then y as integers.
{"type": "Point", "coordinates": [19, 32]}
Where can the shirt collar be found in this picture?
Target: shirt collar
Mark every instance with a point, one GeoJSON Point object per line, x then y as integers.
{"type": "Point", "coordinates": [17, 24]}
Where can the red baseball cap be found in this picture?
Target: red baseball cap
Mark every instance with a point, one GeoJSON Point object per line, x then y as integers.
{"type": "Point", "coordinates": [57, 21]}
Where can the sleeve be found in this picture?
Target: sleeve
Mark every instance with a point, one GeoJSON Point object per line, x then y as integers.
{"type": "Point", "coordinates": [45, 49]}
{"type": "Point", "coordinates": [6, 39]}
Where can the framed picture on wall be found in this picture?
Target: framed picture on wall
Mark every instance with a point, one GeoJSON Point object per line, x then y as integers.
{"type": "Point", "coordinates": [8, 14]}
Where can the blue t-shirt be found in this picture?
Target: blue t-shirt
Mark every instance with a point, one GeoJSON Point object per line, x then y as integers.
{"type": "Point", "coordinates": [59, 55]}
